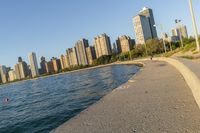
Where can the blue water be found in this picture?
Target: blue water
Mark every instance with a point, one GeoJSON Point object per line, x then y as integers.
{"type": "Point", "coordinates": [38, 106]}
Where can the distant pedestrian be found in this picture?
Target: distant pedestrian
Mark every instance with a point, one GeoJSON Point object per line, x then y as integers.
{"type": "Point", "coordinates": [151, 57]}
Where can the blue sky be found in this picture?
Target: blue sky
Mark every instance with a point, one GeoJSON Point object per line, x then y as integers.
{"type": "Point", "coordinates": [49, 27]}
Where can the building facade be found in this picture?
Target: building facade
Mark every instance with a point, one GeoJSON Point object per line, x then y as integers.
{"type": "Point", "coordinates": [33, 65]}
{"type": "Point", "coordinates": [180, 31]}
{"type": "Point", "coordinates": [114, 49]}
{"type": "Point", "coordinates": [81, 46]}
{"type": "Point", "coordinates": [12, 75]}
{"type": "Point", "coordinates": [124, 44]}
{"type": "Point", "coordinates": [4, 74]}
{"type": "Point", "coordinates": [21, 69]}
{"type": "Point", "coordinates": [144, 26]}
{"type": "Point", "coordinates": [72, 55]}
{"type": "Point", "coordinates": [42, 65]}
{"type": "Point", "coordinates": [56, 64]}
{"type": "Point", "coordinates": [64, 60]}
{"type": "Point", "coordinates": [49, 67]}
{"type": "Point", "coordinates": [102, 45]}
{"type": "Point", "coordinates": [148, 13]}
{"type": "Point", "coordinates": [90, 54]}
{"type": "Point", "coordinates": [183, 31]}
{"type": "Point", "coordinates": [17, 71]}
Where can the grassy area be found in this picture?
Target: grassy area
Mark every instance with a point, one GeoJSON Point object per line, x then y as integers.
{"type": "Point", "coordinates": [188, 51]}
{"type": "Point", "coordinates": [171, 53]}
{"type": "Point", "coordinates": [195, 52]}
{"type": "Point", "coordinates": [188, 57]}
{"type": "Point", "coordinates": [189, 47]}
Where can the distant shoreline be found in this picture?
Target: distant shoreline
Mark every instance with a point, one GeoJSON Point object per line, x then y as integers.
{"type": "Point", "coordinates": [132, 62]}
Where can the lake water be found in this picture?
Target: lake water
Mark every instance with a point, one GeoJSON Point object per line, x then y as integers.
{"type": "Point", "coordinates": [38, 106]}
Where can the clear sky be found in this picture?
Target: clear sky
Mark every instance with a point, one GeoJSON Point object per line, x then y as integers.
{"type": "Point", "coordinates": [49, 27]}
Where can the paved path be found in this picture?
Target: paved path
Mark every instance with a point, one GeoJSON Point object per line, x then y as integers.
{"type": "Point", "coordinates": [192, 65]}
{"type": "Point", "coordinates": [158, 101]}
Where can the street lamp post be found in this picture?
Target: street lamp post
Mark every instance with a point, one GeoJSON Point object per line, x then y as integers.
{"type": "Point", "coordinates": [170, 44]}
{"type": "Point", "coordinates": [179, 31]}
{"type": "Point", "coordinates": [194, 25]}
{"type": "Point", "coordinates": [130, 57]}
{"type": "Point", "coordinates": [169, 40]}
{"type": "Point", "coordinates": [146, 49]}
{"type": "Point", "coordinates": [164, 42]}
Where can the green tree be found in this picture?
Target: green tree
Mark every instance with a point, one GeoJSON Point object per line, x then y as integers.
{"type": "Point", "coordinates": [154, 46]}
{"type": "Point", "coordinates": [105, 59]}
{"type": "Point", "coordinates": [139, 51]}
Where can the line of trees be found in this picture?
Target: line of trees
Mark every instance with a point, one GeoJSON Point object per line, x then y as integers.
{"type": "Point", "coordinates": [151, 48]}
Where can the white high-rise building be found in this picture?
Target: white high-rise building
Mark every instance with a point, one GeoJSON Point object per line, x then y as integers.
{"type": "Point", "coordinates": [102, 45]}
{"type": "Point", "coordinates": [64, 60]}
{"type": "Point", "coordinates": [12, 75]}
{"type": "Point", "coordinates": [124, 44]}
{"type": "Point", "coordinates": [33, 64]}
{"type": "Point", "coordinates": [4, 74]}
{"type": "Point", "coordinates": [144, 26]}
{"type": "Point", "coordinates": [72, 55]}
{"type": "Point", "coordinates": [81, 46]}
{"type": "Point", "coordinates": [182, 30]}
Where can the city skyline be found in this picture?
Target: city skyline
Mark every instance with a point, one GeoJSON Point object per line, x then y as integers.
{"type": "Point", "coordinates": [67, 37]}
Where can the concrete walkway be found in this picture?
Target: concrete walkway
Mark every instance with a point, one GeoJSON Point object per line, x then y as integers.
{"type": "Point", "coordinates": [156, 101]}
{"type": "Point", "coordinates": [192, 65]}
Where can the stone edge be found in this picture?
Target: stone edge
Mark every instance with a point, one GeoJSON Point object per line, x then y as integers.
{"type": "Point", "coordinates": [191, 79]}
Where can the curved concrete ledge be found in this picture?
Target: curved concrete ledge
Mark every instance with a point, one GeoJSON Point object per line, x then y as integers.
{"type": "Point", "coordinates": [191, 79]}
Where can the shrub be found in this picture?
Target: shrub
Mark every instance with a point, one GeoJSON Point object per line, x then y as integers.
{"type": "Point", "coordinates": [154, 46]}
{"type": "Point", "coordinates": [105, 59]}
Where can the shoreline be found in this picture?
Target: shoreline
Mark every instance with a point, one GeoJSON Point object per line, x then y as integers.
{"type": "Point", "coordinates": [138, 63]}
{"type": "Point", "coordinates": [132, 62]}
{"type": "Point", "coordinates": [153, 96]}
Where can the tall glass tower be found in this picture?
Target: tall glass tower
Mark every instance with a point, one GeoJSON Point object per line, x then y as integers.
{"type": "Point", "coordinates": [33, 64]}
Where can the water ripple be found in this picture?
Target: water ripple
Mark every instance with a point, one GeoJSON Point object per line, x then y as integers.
{"type": "Point", "coordinates": [38, 106]}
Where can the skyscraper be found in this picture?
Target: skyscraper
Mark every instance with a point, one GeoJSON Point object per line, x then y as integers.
{"type": "Point", "coordinates": [144, 26]}
{"type": "Point", "coordinates": [19, 59]}
{"type": "Point", "coordinates": [17, 71]}
{"type": "Point", "coordinates": [56, 64]}
{"type": "Point", "coordinates": [114, 49]}
{"type": "Point", "coordinates": [23, 69]}
{"type": "Point", "coordinates": [49, 67]}
{"type": "Point", "coordinates": [102, 45]}
{"type": "Point", "coordinates": [124, 44]}
{"type": "Point", "coordinates": [147, 12]}
{"type": "Point", "coordinates": [81, 46]}
{"type": "Point", "coordinates": [12, 75]}
{"type": "Point", "coordinates": [182, 30]}
{"type": "Point", "coordinates": [90, 54]}
{"type": "Point", "coordinates": [42, 65]}
{"type": "Point", "coordinates": [64, 60]}
{"type": "Point", "coordinates": [71, 53]}
{"type": "Point", "coordinates": [175, 32]}
{"type": "Point", "coordinates": [33, 64]}
{"type": "Point", "coordinates": [4, 74]}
